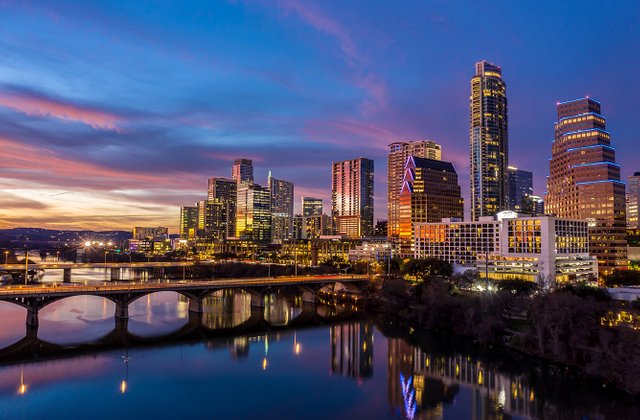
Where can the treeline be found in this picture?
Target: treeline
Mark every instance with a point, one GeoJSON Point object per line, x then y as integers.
{"type": "Point", "coordinates": [563, 326]}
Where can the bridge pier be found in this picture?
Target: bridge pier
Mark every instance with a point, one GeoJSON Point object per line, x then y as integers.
{"type": "Point", "coordinates": [115, 273]}
{"type": "Point", "coordinates": [66, 275]}
{"type": "Point", "coordinates": [122, 310]}
{"type": "Point", "coordinates": [308, 296]}
{"type": "Point", "coordinates": [195, 304]}
{"type": "Point", "coordinates": [32, 321]}
{"type": "Point", "coordinates": [257, 301]}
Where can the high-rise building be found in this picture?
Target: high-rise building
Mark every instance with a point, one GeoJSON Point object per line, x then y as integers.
{"type": "Point", "coordinates": [381, 228]}
{"type": "Point", "coordinates": [520, 186]}
{"type": "Point", "coordinates": [311, 206]}
{"type": "Point", "coordinates": [584, 180]}
{"type": "Point", "coordinates": [253, 212]}
{"type": "Point", "coordinates": [188, 222]}
{"type": "Point", "coordinates": [281, 209]}
{"type": "Point", "coordinates": [224, 192]}
{"type": "Point", "coordinates": [532, 205]}
{"type": "Point", "coordinates": [211, 220]}
{"type": "Point", "coordinates": [398, 154]}
{"type": "Point", "coordinates": [352, 197]}
{"type": "Point", "coordinates": [633, 201]}
{"type": "Point", "coordinates": [242, 170]}
{"type": "Point", "coordinates": [311, 227]}
{"type": "Point", "coordinates": [489, 141]}
{"type": "Point", "coordinates": [430, 192]}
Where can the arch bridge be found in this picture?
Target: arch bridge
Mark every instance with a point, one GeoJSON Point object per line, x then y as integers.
{"type": "Point", "coordinates": [36, 298]}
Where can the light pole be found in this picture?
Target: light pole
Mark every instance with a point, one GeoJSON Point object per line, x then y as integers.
{"type": "Point", "coordinates": [26, 265]}
{"type": "Point", "coordinates": [6, 257]}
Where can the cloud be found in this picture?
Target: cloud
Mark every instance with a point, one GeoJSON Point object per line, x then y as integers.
{"type": "Point", "coordinates": [12, 201]}
{"type": "Point", "coordinates": [36, 104]}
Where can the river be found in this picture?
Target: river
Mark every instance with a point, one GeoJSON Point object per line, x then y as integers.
{"type": "Point", "coordinates": [288, 360]}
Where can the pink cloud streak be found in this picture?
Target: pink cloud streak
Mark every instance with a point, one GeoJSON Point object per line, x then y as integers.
{"type": "Point", "coordinates": [44, 106]}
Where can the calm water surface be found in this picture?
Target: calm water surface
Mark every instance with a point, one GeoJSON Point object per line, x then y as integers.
{"type": "Point", "coordinates": [288, 360]}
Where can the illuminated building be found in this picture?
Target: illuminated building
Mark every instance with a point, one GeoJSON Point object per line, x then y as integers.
{"type": "Point", "coordinates": [398, 154]}
{"type": "Point", "coordinates": [253, 213]}
{"type": "Point", "coordinates": [212, 220]}
{"type": "Point", "coordinates": [352, 197]}
{"type": "Point", "coordinates": [311, 206]}
{"type": "Point", "coordinates": [489, 141]}
{"type": "Point", "coordinates": [544, 249]}
{"type": "Point", "coordinates": [633, 201]}
{"type": "Point", "coordinates": [242, 170]}
{"type": "Point", "coordinates": [310, 227]}
{"type": "Point", "coordinates": [584, 180]}
{"type": "Point", "coordinates": [520, 186]}
{"type": "Point", "coordinates": [151, 233]}
{"type": "Point", "coordinates": [532, 205]}
{"type": "Point", "coordinates": [281, 209]}
{"type": "Point", "coordinates": [352, 350]}
{"type": "Point", "coordinates": [381, 228]}
{"type": "Point", "coordinates": [372, 252]}
{"type": "Point", "coordinates": [430, 192]}
{"type": "Point", "coordinates": [223, 192]}
{"type": "Point", "coordinates": [188, 222]}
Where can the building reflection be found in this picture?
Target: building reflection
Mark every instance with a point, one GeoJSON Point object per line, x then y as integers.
{"type": "Point", "coordinates": [352, 350]}
{"type": "Point", "coordinates": [281, 310]}
{"type": "Point", "coordinates": [421, 385]}
{"type": "Point", "coordinates": [226, 309]}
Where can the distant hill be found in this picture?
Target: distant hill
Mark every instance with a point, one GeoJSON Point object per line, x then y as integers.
{"type": "Point", "coordinates": [36, 237]}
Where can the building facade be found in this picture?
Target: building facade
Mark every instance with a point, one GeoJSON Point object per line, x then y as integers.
{"type": "Point", "coordinates": [430, 192]}
{"type": "Point", "coordinates": [633, 201]}
{"type": "Point", "coordinates": [352, 197]}
{"type": "Point", "coordinates": [584, 180]}
{"type": "Point", "coordinates": [398, 154]}
{"type": "Point", "coordinates": [281, 209]}
{"type": "Point", "coordinates": [520, 186]}
{"type": "Point", "coordinates": [253, 213]}
{"type": "Point", "coordinates": [188, 222]}
{"type": "Point", "coordinates": [311, 206]}
{"type": "Point", "coordinates": [223, 193]}
{"type": "Point", "coordinates": [489, 141]}
{"type": "Point", "coordinates": [242, 170]}
{"type": "Point", "coordinates": [544, 249]}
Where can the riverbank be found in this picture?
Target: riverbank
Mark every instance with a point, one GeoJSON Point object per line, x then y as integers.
{"type": "Point", "coordinates": [562, 327]}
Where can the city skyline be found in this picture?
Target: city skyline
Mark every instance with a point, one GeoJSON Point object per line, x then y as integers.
{"type": "Point", "coordinates": [123, 124]}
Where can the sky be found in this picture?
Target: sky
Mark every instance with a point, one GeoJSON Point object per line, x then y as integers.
{"type": "Point", "coordinates": [114, 113]}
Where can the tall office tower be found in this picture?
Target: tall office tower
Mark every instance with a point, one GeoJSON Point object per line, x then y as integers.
{"type": "Point", "coordinates": [188, 222]}
{"type": "Point", "coordinates": [398, 154]}
{"type": "Point", "coordinates": [532, 205]}
{"type": "Point", "coordinates": [584, 180]}
{"type": "Point", "coordinates": [633, 201]}
{"type": "Point", "coordinates": [430, 192]}
{"type": "Point", "coordinates": [224, 191]}
{"type": "Point", "coordinates": [489, 141]}
{"type": "Point", "coordinates": [281, 209]}
{"type": "Point", "coordinates": [352, 197]}
{"type": "Point", "coordinates": [211, 220]}
{"type": "Point", "coordinates": [253, 212]}
{"type": "Point", "coordinates": [352, 350]}
{"type": "Point", "coordinates": [520, 186]}
{"type": "Point", "coordinates": [242, 170]}
{"type": "Point", "coordinates": [311, 206]}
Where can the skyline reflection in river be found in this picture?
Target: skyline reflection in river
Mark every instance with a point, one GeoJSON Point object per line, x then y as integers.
{"type": "Point", "coordinates": [320, 368]}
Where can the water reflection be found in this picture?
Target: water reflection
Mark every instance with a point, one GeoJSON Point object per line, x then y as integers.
{"type": "Point", "coordinates": [76, 319]}
{"type": "Point", "coordinates": [226, 309]}
{"type": "Point", "coordinates": [281, 309]}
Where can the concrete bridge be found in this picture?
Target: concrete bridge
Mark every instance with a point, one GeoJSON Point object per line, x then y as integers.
{"type": "Point", "coordinates": [34, 298]}
{"type": "Point", "coordinates": [114, 267]}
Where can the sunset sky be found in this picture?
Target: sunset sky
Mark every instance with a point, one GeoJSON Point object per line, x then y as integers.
{"type": "Point", "coordinates": [113, 114]}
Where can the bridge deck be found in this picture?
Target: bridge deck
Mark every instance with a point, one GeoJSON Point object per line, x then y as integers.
{"type": "Point", "coordinates": [60, 265]}
{"type": "Point", "coordinates": [70, 290]}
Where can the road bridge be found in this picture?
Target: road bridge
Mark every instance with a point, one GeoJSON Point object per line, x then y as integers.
{"type": "Point", "coordinates": [34, 298]}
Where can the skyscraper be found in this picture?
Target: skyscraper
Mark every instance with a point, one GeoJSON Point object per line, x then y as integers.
{"type": "Point", "coordinates": [520, 186]}
{"type": "Point", "coordinates": [188, 222]}
{"type": "Point", "coordinates": [489, 141]}
{"type": "Point", "coordinates": [352, 197]}
{"type": "Point", "coordinates": [311, 206]}
{"type": "Point", "coordinates": [253, 212]}
{"type": "Point", "coordinates": [430, 192]}
{"type": "Point", "coordinates": [633, 201]}
{"type": "Point", "coordinates": [212, 222]}
{"type": "Point", "coordinates": [224, 191]}
{"type": "Point", "coordinates": [242, 170]}
{"type": "Point", "coordinates": [398, 154]}
{"type": "Point", "coordinates": [281, 209]}
{"type": "Point", "coordinates": [584, 180]}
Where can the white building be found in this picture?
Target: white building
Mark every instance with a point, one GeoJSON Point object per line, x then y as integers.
{"type": "Point", "coordinates": [544, 248]}
{"type": "Point", "coordinates": [372, 251]}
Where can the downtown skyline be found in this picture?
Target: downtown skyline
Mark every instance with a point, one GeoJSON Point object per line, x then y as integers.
{"type": "Point", "coordinates": [122, 125]}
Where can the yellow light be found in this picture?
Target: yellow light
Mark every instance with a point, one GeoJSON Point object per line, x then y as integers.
{"type": "Point", "coordinates": [123, 387]}
{"type": "Point", "coordinates": [297, 350]}
{"type": "Point", "coordinates": [264, 364]}
{"type": "Point", "coordinates": [22, 389]}
{"type": "Point", "coordinates": [87, 243]}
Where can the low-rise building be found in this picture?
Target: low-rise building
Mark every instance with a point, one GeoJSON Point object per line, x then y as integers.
{"type": "Point", "coordinates": [368, 251]}
{"type": "Point", "coordinates": [545, 249]}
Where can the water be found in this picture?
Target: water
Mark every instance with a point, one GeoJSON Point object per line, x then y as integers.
{"type": "Point", "coordinates": [287, 360]}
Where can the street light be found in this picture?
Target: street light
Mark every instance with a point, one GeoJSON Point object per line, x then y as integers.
{"type": "Point", "coordinates": [6, 257]}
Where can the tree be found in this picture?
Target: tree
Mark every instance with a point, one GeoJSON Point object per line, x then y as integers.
{"type": "Point", "coordinates": [622, 278]}
{"type": "Point", "coordinates": [422, 269]}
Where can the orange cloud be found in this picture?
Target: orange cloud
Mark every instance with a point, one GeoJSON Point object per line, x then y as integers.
{"type": "Point", "coordinates": [30, 104]}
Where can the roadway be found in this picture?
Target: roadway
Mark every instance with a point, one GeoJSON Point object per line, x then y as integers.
{"type": "Point", "coordinates": [178, 285]}
{"type": "Point", "coordinates": [61, 265]}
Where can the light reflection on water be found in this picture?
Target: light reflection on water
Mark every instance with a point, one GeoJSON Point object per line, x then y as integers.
{"type": "Point", "coordinates": [344, 370]}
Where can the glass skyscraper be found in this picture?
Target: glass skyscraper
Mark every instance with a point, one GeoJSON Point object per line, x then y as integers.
{"type": "Point", "coordinates": [489, 141]}
{"type": "Point", "coordinates": [352, 197]}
